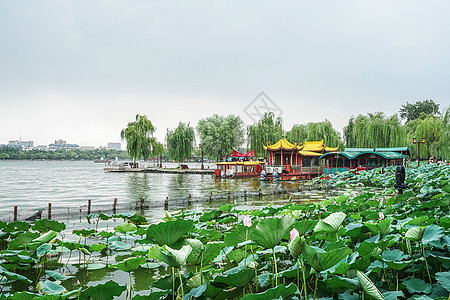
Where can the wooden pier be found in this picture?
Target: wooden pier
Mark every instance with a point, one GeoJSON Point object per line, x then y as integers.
{"type": "Point", "coordinates": [118, 169]}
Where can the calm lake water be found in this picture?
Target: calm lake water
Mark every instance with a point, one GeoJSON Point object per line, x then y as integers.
{"type": "Point", "coordinates": [68, 185]}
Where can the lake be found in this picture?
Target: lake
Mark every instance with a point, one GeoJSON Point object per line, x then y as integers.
{"type": "Point", "coordinates": [68, 185]}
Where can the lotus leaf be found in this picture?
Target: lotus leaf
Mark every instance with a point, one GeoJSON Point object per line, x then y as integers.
{"type": "Point", "coordinates": [368, 286]}
{"type": "Point", "coordinates": [105, 291]}
{"type": "Point", "coordinates": [280, 291]}
{"type": "Point", "coordinates": [50, 287]}
{"type": "Point", "coordinates": [168, 233]}
{"type": "Point", "coordinates": [125, 227]}
{"type": "Point", "coordinates": [269, 232]}
{"type": "Point", "coordinates": [330, 223]}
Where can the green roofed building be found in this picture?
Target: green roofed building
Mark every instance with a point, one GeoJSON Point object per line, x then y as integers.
{"type": "Point", "coordinates": [363, 159]}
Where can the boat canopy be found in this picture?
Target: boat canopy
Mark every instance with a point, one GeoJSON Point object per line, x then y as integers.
{"type": "Point", "coordinates": [245, 163]}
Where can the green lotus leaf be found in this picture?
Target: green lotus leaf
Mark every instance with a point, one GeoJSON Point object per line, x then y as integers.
{"type": "Point", "coordinates": [304, 225]}
{"type": "Point", "coordinates": [168, 233]}
{"type": "Point", "coordinates": [195, 255]}
{"type": "Point", "coordinates": [196, 292]}
{"type": "Point", "coordinates": [49, 287]}
{"type": "Point", "coordinates": [394, 295]}
{"type": "Point", "coordinates": [172, 257]}
{"type": "Point", "coordinates": [269, 232]}
{"type": "Point", "coordinates": [211, 252]}
{"type": "Point", "coordinates": [106, 234]}
{"type": "Point", "coordinates": [212, 215]}
{"type": "Point", "coordinates": [46, 237]}
{"type": "Point", "coordinates": [432, 233]}
{"type": "Point", "coordinates": [444, 279]}
{"type": "Point", "coordinates": [12, 276]}
{"type": "Point", "coordinates": [105, 291]}
{"type": "Point", "coordinates": [125, 227]}
{"type": "Point", "coordinates": [92, 267]}
{"type": "Point", "coordinates": [96, 247]}
{"type": "Point", "coordinates": [129, 264]}
{"type": "Point", "coordinates": [414, 233]}
{"type": "Point", "coordinates": [16, 226]}
{"type": "Point", "coordinates": [138, 220]}
{"type": "Point", "coordinates": [56, 275]}
{"type": "Point", "coordinates": [320, 260]}
{"type": "Point", "coordinates": [45, 225]}
{"type": "Point", "coordinates": [239, 278]}
{"type": "Point", "coordinates": [330, 223]}
{"type": "Point", "coordinates": [22, 240]}
{"type": "Point", "coordinates": [281, 291]}
{"type": "Point", "coordinates": [393, 255]}
{"type": "Point", "coordinates": [83, 232]}
{"type": "Point", "coordinates": [150, 265]}
{"type": "Point", "coordinates": [119, 246]}
{"type": "Point", "coordinates": [368, 286]}
{"type": "Point", "coordinates": [43, 250]}
{"type": "Point", "coordinates": [239, 234]}
{"type": "Point", "coordinates": [342, 283]}
{"type": "Point", "coordinates": [296, 246]}
{"type": "Point", "coordinates": [416, 285]}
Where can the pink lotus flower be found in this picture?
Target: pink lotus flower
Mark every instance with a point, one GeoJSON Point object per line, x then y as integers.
{"type": "Point", "coordinates": [247, 221]}
{"type": "Point", "coordinates": [294, 233]}
{"type": "Point", "coordinates": [78, 282]}
{"type": "Point", "coordinates": [380, 216]}
{"type": "Point", "coordinates": [353, 194]}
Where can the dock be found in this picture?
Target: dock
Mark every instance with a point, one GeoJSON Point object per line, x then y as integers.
{"type": "Point", "coordinates": [120, 169]}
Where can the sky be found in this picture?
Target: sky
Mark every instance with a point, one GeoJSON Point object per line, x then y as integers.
{"type": "Point", "coordinates": [80, 70]}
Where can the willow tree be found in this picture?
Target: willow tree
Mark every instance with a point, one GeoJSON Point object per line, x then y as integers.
{"type": "Point", "coordinates": [180, 142]}
{"type": "Point", "coordinates": [374, 131]}
{"type": "Point", "coordinates": [219, 135]}
{"type": "Point", "coordinates": [139, 138]}
{"type": "Point", "coordinates": [315, 131]}
{"type": "Point", "coordinates": [429, 127]}
{"type": "Point", "coordinates": [268, 130]}
{"type": "Point", "coordinates": [442, 146]}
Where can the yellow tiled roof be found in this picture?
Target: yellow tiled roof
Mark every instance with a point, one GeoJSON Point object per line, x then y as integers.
{"type": "Point", "coordinates": [281, 144]}
{"type": "Point", "coordinates": [315, 147]}
{"type": "Point", "coordinates": [309, 153]}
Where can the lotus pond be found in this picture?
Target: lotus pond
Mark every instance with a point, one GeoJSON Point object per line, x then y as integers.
{"type": "Point", "coordinates": [368, 243]}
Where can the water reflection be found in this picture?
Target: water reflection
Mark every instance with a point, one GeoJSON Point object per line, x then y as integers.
{"type": "Point", "coordinates": [138, 186]}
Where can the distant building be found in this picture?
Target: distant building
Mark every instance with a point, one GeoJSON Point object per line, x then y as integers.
{"type": "Point", "coordinates": [62, 145]}
{"type": "Point", "coordinates": [85, 148]}
{"type": "Point", "coordinates": [60, 142]}
{"type": "Point", "coordinates": [21, 144]}
{"type": "Point", "coordinates": [42, 147]}
{"type": "Point", "coordinates": [115, 146]}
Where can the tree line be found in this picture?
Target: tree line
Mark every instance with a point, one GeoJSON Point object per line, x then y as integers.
{"type": "Point", "coordinates": [10, 153]}
{"type": "Point", "coordinates": [219, 135]}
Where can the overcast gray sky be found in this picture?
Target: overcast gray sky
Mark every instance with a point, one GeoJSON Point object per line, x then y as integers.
{"type": "Point", "coordinates": [81, 70]}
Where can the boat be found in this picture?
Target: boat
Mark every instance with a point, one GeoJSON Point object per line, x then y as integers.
{"type": "Point", "coordinates": [237, 169]}
{"type": "Point", "coordinates": [289, 161]}
{"type": "Point", "coordinates": [239, 165]}
{"type": "Point", "coordinates": [102, 160]}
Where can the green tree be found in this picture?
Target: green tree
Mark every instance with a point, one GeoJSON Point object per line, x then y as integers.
{"type": "Point", "coordinates": [442, 146]}
{"type": "Point", "coordinates": [219, 135]}
{"type": "Point", "coordinates": [429, 127]}
{"type": "Point", "coordinates": [315, 131]}
{"type": "Point", "coordinates": [180, 142]}
{"type": "Point", "coordinates": [268, 130]}
{"type": "Point", "coordinates": [374, 131]}
{"type": "Point", "coordinates": [139, 137]}
{"type": "Point", "coordinates": [411, 112]}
